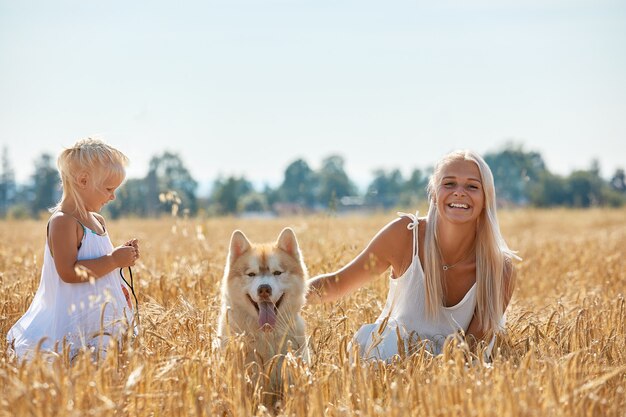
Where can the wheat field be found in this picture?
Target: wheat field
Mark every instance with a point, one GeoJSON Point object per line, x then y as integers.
{"type": "Point", "coordinates": [564, 353]}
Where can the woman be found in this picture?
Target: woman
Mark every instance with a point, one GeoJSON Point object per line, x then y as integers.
{"type": "Point", "coordinates": [451, 272]}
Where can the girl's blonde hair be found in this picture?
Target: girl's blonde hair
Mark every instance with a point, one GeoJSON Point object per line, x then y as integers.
{"type": "Point", "coordinates": [92, 156]}
{"type": "Point", "coordinates": [491, 250]}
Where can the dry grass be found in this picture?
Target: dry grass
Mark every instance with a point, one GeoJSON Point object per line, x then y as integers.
{"type": "Point", "coordinates": [564, 354]}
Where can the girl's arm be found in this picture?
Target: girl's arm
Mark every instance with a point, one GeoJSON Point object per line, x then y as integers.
{"type": "Point", "coordinates": [65, 233]}
{"type": "Point", "coordinates": [387, 248]}
{"type": "Point", "coordinates": [475, 329]}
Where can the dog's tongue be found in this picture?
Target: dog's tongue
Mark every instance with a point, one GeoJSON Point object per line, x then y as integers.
{"type": "Point", "coordinates": [267, 316]}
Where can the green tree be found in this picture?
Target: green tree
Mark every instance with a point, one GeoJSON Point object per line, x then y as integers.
{"type": "Point", "coordinates": [549, 190]}
{"type": "Point", "coordinates": [414, 189]}
{"type": "Point", "coordinates": [272, 195]}
{"type": "Point", "coordinates": [45, 189]}
{"type": "Point", "coordinates": [585, 188]}
{"type": "Point", "coordinates": [582, 188]}
{"type": "Point", "coordinates": [334, 182]}
{"type": "Point", "coordinates": [142, 196]}
{"type": "Point", "coordinates": [385, 189]}
{"type": "Point", "coordinates": [132, 198]}
{"type": "Point", "coordinates": [513, 170]}
{"type": "Point", "coordinates": [8, 187]}
{"type": "Point", "coordinates": [299, 185]}
{"type": "Point", "coordinates": [252, 202]}
{"type": "Point", "coordinates": [167, 172]}
{"type": "Point", "coordinates": [227, 193]}
{"type": "Point", "coordinates": [618, 181]}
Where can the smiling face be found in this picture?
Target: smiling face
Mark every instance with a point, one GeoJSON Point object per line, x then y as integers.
{"type": "Point", "coordinates": [459, 194]}
{"type": "Point", "coordinates": [266, 284]}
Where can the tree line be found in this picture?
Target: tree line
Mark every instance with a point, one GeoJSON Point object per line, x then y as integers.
{"type": "Point", "coordinates": [521, 178]}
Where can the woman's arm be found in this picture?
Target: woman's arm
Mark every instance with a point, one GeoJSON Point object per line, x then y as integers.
{"type": "Point", "coordinates": [388, 248]}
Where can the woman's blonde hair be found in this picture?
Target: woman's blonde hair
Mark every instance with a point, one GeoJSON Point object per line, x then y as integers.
{"type": "Point", "coordinates": [491, 250]}
{"type": "Point", "coordinates": [94, 157]}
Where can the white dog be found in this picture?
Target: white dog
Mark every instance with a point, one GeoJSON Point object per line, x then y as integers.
{"type": "Point", "coordinates": [263, 290]}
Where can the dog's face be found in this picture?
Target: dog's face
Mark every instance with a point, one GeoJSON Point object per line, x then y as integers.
{"type": "Point", "coordinates": [267, 282]}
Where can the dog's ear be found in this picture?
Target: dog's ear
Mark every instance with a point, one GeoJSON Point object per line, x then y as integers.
{"type": "Point", "coordinates": [287, 241]}
{"type": "Point", "coordinates": [239, 244]}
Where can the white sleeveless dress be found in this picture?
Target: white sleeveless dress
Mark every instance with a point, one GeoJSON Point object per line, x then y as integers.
{"type": "Point", "coordinates": [73, 312]}
{"type": "Point", "coordinates": [404, 315]}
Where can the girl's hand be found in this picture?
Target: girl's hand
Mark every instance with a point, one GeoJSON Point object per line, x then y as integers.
{"type": "Point", "coordinates": [124, 256]}
{"type": "Point", "coordinates": [135, 244]}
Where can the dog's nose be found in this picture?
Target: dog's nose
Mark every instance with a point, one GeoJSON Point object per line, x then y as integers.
{"type": "Point", "coordinates": [264, 291]}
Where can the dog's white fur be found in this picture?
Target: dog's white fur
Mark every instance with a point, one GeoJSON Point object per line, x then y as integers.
{"type": "Point", "coordinates": [264, 276]}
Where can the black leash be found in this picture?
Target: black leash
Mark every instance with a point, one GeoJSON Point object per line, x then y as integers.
{"type": "Point", "coordinates": [132, 290]}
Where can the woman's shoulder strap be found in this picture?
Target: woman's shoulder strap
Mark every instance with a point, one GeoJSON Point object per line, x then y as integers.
{"type": "Point", "coordinates": [414, 226]}
{"type": "Point", "coordinates": [412, 217]}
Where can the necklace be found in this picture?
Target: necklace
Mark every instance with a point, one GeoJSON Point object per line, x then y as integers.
{"type": "Point", "coordinates": [445, 267]}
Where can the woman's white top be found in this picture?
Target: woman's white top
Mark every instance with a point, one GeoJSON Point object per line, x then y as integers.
{"type": "Point", "coordinates": [405, 315]}
{"type": "Point", "coordinates": [73, 312]}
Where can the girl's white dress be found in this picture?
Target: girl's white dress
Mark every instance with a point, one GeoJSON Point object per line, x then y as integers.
{"type": "Point", "coordinates": [83, 314]}
{"type": "Point", "coordinates": [404, 316]}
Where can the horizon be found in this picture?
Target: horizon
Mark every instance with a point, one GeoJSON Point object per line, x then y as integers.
{"type": "Point", "coordinates": [205, 185]}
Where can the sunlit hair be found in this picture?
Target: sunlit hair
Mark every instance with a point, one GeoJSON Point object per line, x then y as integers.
{"type": "Point", "coordinates": [491, 250]}
{"type": "Point", "coordinates": [94, 157]}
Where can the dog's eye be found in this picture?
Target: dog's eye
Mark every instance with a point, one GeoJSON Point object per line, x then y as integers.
{"type": "Point", "coordinates": [251, 274]}
{"type": "Point", "coordinates": [277, 273]}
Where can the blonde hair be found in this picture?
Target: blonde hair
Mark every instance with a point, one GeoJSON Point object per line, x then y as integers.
{"type": "Point", "coordinates": [90, 156]}
{"type": "Point", "coordinates": [491, 250]}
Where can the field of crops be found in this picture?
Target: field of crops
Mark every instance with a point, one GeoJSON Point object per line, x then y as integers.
{"type": "Point", "coordinates": [564, 353]}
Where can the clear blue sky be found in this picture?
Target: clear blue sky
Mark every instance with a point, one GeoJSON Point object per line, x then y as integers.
{"type": "Point", "coordinates": [246, 87]}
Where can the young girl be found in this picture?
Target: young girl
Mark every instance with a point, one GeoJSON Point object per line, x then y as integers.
{"type": "Point", "coordinates": [81, 301]}
{"type": "Point", "coordinates": [451, 272]}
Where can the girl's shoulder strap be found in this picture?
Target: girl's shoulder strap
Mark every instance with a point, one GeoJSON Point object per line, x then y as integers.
{"type": "Point", "coordinates": [100, 220]}
{"type": "Point", "coordinates": [59, 214]}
